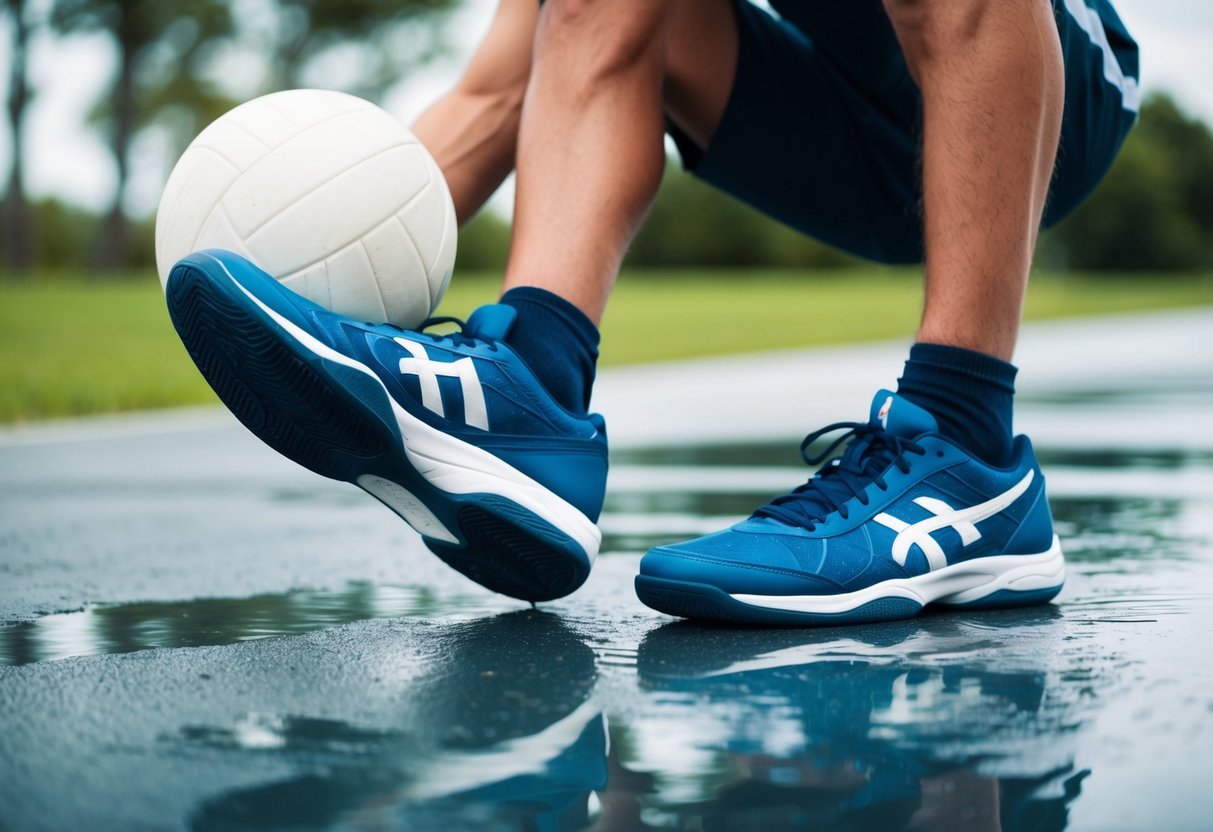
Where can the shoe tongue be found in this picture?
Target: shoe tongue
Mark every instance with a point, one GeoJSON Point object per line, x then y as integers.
{"type": "Point", "coordinates": [864, 457]}
{"type": "Point", "coordinates": [900, 416]}
{"type": "Point", "coordinates": [491, 322]}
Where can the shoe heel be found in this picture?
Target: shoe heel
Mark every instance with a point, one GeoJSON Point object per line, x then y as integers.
{"type": "Point", "coordinates": [1006, 599]}
{"type": "Point", "coordinates": [511, 551]}
{"type": "Point", "coordinates": [1006, 581]}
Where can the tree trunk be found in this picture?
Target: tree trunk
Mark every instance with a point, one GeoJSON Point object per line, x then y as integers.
{"type": "Point", "coordinates": [16, 218]}
{"type": "Point", "coordinates": [113, 247]}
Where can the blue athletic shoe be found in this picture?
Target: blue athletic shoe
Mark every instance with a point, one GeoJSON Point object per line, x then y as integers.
{"type": "Point", "coordinates": [452, 431]}
{"type": "Point", "coordinates": [904, 518]}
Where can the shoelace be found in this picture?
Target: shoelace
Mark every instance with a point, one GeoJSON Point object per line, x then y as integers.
{"type": "Point", "coordinates": [868, 455]}
{"type": "Point", "coordinates": [458, 337]}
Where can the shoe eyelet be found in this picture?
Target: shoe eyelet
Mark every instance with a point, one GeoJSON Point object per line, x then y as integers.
{"type": "Point", "coordinates": [939, 454]}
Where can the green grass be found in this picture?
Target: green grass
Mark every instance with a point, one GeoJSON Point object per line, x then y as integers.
{"type": "Point", "coordinates": [72, 346]}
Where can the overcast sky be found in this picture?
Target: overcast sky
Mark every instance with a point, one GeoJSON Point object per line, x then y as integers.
{"type": "Point", "coordinates": [66, 158]}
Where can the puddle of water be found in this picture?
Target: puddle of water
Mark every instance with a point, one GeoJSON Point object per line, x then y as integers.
{"type": "Point", "coordinates": [125, 628]}
{"type": "Point", "coordinates": [502, 732]}
{"type": "Point", "coordinates": [946, 723]}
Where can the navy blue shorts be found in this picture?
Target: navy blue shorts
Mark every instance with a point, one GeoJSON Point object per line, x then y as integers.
{"type": "Point", "coordinates": [823, 124]}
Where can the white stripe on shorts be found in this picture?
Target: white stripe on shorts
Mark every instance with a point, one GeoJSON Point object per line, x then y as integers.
{"type": "Point", "coordinates": [1088, 19]}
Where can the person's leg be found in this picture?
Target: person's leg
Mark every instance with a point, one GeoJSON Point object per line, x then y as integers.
{"type": "Point", "coordinates": [472, 130]}
{"type": "Point", "coordinates": [930, 501]}
{"type": "Point", "coordinates": [992, 83]}
{"type": "Point", "coordinates": [589, 146]}
{"type": "Point", "coordinates": [701, 53]}
{"type": "Point", "coordinates": [590, 159]}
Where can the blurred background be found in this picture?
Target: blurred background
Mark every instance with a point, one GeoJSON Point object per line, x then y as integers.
{"type": "Point", "coordinates": [103, 95]}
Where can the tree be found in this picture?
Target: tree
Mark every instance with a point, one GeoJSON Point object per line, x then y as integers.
{"type": "Point", "coordinates": [308, 28]}
{"type": "Point", "coordinates": [16, 218]}
{"type": "Point", "coordinates": [157, 45]}
{"type": "Point", "coordinates": [165, 53]}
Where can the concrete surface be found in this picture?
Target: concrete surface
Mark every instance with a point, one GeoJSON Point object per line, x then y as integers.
{"type": "Point", "coordinates": [392, 693]}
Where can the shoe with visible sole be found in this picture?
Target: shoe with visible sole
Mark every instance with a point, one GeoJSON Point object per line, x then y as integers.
{"type": "Point", "coordinates": [452, 432]}
{"type": "Point", "coordinates": [903, 519]}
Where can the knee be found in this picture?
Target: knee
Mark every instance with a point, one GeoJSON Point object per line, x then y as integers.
{"type": "Point", "coordinates": [927, 29]}
{"type": "Point", "coordinates": [599, 38]}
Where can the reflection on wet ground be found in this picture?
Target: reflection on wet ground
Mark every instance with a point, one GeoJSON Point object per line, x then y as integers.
{"type": "Point", "coordinates": [124, 628]}
{"type": "Point", "coordinates": [501, 733]}
{"type": "Point", "coordinates": [395, 707]}
{"type": "Point", "coordinates": [946, 723]}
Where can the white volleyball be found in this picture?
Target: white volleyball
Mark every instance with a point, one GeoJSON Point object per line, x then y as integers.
{"type": "Point", "coordinates": [328, 193]}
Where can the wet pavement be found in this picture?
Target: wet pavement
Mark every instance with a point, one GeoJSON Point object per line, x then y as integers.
{"type": "Point", "coordinates": [201, 635]}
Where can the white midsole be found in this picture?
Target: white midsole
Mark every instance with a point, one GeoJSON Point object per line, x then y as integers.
{"type": "Point", "coordinates": [959, 583]}
{"type": "Point", "coordinates": [405, 503]}
{"type": "Point", "coordinates": [450, 464]}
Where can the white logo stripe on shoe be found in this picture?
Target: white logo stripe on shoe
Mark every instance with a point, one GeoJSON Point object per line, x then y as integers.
{"type": "Point", "coordinates": [475, 411]}
{"type": "Point", "coordinates": [962, 520]}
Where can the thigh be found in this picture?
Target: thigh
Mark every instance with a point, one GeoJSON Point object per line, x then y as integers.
{"type": "Point", "coordinates": [857, 39]}
{"type": "Point", "coordinates": [828, 148]}
{"type": "Point", "coordinates": [701, 63]}
{"type": "Point", "coordinates": [822, 124]}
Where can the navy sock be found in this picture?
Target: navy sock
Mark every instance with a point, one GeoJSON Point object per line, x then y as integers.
{"type": "Point", "coordinates": [970, 394]}
{"type": "Point", "coordinates": [557, 341]}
